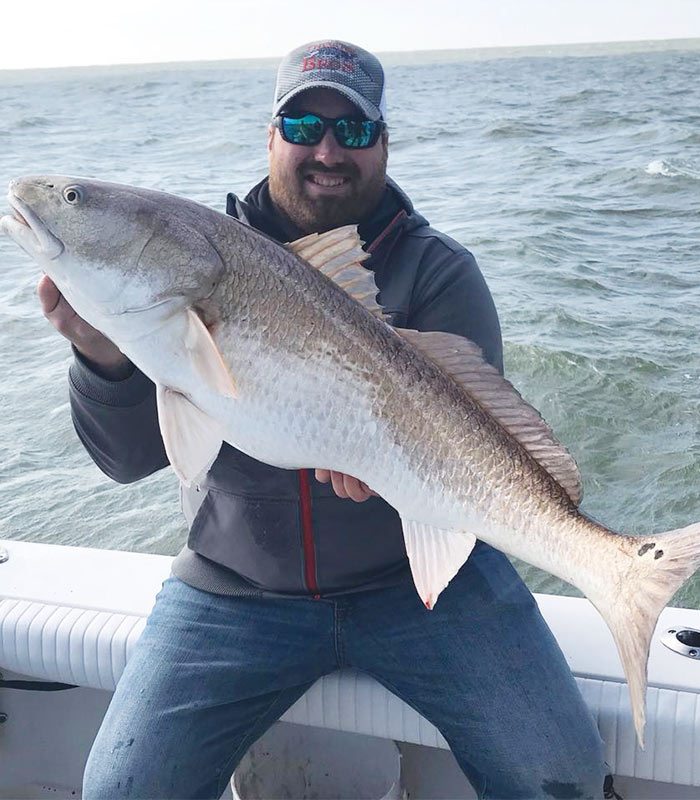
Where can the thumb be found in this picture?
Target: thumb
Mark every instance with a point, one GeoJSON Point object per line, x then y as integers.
{"type": "Point", "coordinates": [48, 294]}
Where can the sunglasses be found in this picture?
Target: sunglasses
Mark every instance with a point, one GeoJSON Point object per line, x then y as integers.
{"type": "Point", "coordinates": [353, 133]}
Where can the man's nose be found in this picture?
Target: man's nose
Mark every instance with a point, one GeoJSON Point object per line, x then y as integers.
{"type": "Point", "coordinates": [328, 152]}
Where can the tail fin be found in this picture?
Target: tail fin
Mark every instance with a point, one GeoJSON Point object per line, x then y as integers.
{"type": "Point", "coordinates": [659, 567]}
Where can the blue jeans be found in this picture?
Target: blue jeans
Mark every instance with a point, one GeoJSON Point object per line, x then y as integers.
{"type": "Point", "coordinates": [211, 673]}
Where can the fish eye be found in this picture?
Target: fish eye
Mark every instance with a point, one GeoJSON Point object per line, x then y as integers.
{"type": "Point", "coordinates": [73, 195]}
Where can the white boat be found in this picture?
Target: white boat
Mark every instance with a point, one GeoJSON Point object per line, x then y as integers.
{"type": "Point", "coordinates": [69, 619]}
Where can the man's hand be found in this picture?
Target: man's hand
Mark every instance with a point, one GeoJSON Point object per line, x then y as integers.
{"type": "Point", "coordinates": [103, 354]}
{"type": "Point", "coordinates": [346, 486]}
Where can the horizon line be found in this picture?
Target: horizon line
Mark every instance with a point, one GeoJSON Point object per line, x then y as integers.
{"type": "Point", "coordinates": [382, 53]}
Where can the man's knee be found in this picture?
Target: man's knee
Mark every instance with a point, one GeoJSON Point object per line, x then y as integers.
{"type": "Point", "coordinates": [575, 770]}
{"type": "Point", "coordinates": [580, 781]}
{"type": "Point", "coordinates": [538, 765]}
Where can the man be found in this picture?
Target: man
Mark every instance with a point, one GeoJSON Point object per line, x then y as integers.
{"type": "Point", "coordinates": [286, 578]}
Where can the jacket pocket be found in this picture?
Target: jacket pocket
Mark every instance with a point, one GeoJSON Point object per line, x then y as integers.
{"type": "Point", "coordinates": [259, 538]}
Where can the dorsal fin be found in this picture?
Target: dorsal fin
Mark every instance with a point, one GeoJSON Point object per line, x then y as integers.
{"type": "Point", "coordinates": [464, 362]}
{"type": "Point", "coordinates": [338, 255]}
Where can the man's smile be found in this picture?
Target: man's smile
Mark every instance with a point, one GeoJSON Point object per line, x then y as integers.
{"type": "Point", "coordinates": [326, 181]}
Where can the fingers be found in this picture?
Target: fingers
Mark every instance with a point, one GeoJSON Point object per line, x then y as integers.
{"type": "Point", "coordinates": [369, 491]}
{"type": "Point", "coordinates": [356, 490]}
{"type": "Point", "coordinates": [345, 486]}
{"type": "Point", "coordinates": [323, 475]}
{"type": "Point", "coordinates": [338, 481]}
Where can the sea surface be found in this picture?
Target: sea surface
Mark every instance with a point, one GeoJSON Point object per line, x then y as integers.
{"type": "Point", "coordinates": [573, 176]}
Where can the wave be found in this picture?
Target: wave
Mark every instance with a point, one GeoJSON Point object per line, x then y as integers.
{"type": "Point", "coordinates": [34, 122]}
{"type": "Point", "coordinates": [150, 140]}
{"type": "Point", "coordinates": [583, 95]}
{"type": "Point", "coordinates": [692, 137]}
{"type": "Point", "coordinates": [673, 169]}
{"type": "Point", "coordinates": [509, 130]}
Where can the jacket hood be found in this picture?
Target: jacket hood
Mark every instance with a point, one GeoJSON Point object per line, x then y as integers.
{"type": "Point", "coordinates": [395, 212]}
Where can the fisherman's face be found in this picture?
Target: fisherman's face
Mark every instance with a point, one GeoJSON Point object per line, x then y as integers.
{"type": "Point", "coordinates": [326, 185]}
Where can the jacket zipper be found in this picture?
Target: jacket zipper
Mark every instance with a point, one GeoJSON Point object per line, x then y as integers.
{"type": "Point", "coordinates": [307, 530]}
{"type": "Point", "coordinates": [373, 246]}
{"type": "Point", "coordinates": [307, 533]}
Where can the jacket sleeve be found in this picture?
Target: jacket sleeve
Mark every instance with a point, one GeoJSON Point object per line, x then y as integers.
{"type": "Point", "coordinates": [451, 295]}
{"type": "Point", "coordinates": [117, 422]}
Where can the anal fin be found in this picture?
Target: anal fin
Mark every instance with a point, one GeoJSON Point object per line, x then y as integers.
{"type": "Point", "coordinates": [436, 556]}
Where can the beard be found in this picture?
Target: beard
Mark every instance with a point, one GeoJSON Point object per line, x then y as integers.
{"type": "Point", "coordinates": [288, 190]}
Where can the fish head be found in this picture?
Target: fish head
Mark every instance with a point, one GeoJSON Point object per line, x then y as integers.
{"type": "Point", "coordinates": [114, 250]}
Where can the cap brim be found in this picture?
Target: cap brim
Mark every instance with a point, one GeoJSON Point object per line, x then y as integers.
{"type": "Point", "coordinates": [368, 109]}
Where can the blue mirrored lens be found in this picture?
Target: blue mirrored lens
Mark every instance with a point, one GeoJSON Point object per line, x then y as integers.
{"type": "Point", "coordinates": [303, 130]}
{"type": "Point", "coordinates": [355, 132]}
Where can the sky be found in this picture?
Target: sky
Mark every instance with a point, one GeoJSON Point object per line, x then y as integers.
{"type": "Point", "coordinates": [54, 33]}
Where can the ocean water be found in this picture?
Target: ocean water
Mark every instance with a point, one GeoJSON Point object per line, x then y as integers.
{"type": "Point", "coordinates": [574, 177]}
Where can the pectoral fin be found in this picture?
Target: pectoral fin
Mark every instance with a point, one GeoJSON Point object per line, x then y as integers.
{"type": "Point", "coordinates": [192, 439]}
{"type": "Point", "coordinates": [436, 556]}
{"type": "Point", "coordinates": [206, 358]}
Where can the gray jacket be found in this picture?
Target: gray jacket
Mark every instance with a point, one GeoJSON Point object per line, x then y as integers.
{"type": "Point", "coordinates": [258, 529]}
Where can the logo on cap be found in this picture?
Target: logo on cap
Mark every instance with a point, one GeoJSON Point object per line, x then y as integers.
{"type": "Point", "coordinates": [330, 56]}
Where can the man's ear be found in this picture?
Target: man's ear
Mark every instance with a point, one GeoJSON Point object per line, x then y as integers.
{"type": "Point", "coordinates": [270, 136]}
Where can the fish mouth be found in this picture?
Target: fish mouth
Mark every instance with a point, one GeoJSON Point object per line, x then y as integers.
{"type": "Point", "coordinates": [18, 216]}
{"type": "Point", "coordinates": [29, 231]}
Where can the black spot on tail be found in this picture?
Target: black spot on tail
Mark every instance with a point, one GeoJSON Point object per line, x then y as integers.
{"type": "Point", "coordinates": [645, 548]}
{"type": "Point", "coordinates": [658, 553]}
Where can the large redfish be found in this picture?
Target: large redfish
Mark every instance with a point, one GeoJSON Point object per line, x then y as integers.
{"type": "Point", "coordinates": [283, 353]}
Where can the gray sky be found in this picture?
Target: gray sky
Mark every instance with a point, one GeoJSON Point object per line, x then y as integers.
{"type": "Point", "coordinates": [51, 33]}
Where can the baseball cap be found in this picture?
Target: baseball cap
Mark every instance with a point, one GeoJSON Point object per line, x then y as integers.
{"type": "Point", "coordinates": [332, 64]}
